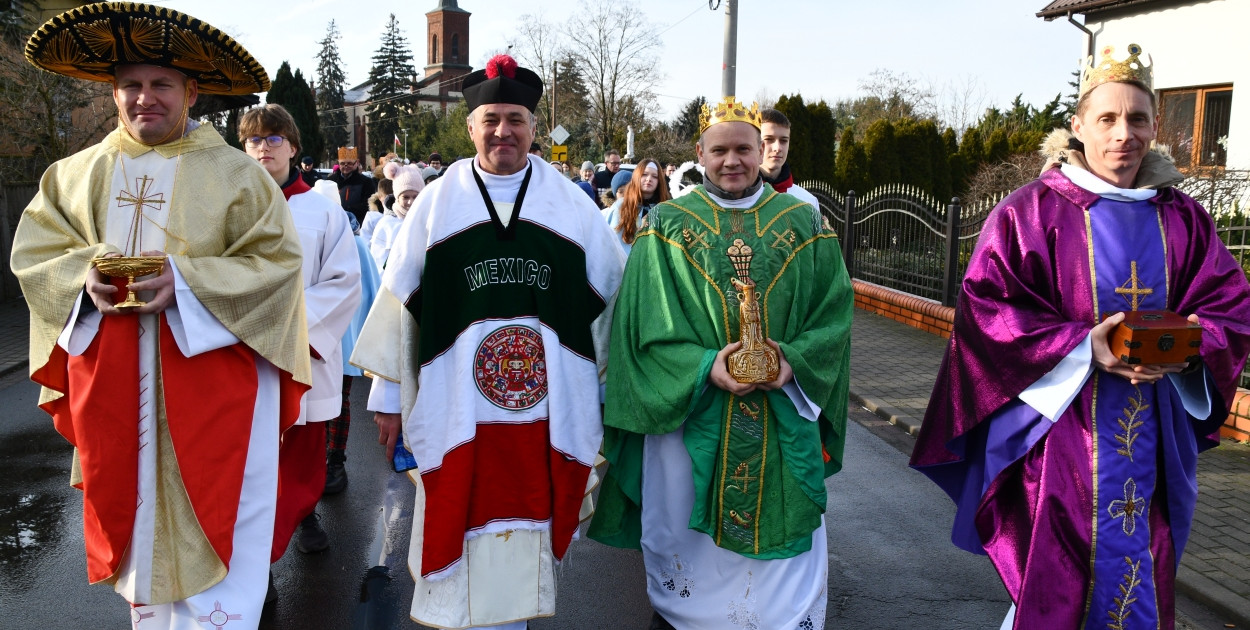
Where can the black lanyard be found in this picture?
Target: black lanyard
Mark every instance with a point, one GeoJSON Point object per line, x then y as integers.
{"type": "Point", "coordinates": [504, 233]}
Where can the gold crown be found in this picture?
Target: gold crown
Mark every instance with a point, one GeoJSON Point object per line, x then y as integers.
{"type": "Point", "coordinates": [1109, 70]}
{"type": "Point", "coordinates": [729, 110]}
{"type": "Point", "coordinates": [347, 154]}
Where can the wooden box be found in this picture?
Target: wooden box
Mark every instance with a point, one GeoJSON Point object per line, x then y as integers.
{"type": "Point", "coordinates": [1156, 337]}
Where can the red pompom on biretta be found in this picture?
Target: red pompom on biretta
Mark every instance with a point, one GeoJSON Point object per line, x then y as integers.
{"type": "Point", "coordinates": [501, 65]}
{"type": "Point", "coordinates": [502, 81]}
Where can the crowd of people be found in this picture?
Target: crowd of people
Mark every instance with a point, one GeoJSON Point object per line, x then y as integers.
{"type": "Point", "coordinates": [519, 322]}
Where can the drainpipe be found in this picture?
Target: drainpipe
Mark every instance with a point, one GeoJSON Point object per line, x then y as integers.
{"type": "Point", "coordinates": [1089, 37]}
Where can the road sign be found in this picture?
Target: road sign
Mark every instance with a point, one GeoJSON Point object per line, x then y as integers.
{"type": "Point", "coordinates": [559, 135]}
{"type": "Point", "coordinates": [559, 153]}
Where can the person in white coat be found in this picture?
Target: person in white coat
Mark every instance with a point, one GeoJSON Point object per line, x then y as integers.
{"type": "Point", "coordinates": [408, 183]}
{"type": "Point", "coordinates": [331, 276]}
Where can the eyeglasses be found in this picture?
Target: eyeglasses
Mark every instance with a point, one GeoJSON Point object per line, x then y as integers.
{"type": "Point", "coordinates": [273, 141]}
{"type": "Point", "coordinates": [617, 163]}
{"type": "Point", "coordinates": [351, 163]}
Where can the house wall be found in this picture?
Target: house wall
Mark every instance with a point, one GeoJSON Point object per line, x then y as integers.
{"type": "Point", "coordinates": [1191, 44]}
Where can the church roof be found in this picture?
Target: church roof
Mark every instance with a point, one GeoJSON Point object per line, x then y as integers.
{"type": "Point", "coordinates": [447, 5]}
{"type": "Point", "coordinates": [1061, 8]}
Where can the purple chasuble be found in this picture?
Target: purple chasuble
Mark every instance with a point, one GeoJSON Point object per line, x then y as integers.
{"type": "Point", "coordinates": [1101, 499]}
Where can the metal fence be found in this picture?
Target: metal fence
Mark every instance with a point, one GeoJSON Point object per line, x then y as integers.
{"type": "Point", "coordinates": [901, 237]}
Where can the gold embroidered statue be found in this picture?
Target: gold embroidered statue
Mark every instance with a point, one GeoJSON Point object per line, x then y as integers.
{"type": "Point", "coordinates": [755, 361]}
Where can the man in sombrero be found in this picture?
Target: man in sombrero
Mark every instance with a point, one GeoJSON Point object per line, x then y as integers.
{"type": "Point", "coordinates": [174, 406]}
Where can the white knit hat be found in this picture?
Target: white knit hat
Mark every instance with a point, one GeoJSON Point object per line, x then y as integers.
{"type": "Point", "coordinates": [408, 178]}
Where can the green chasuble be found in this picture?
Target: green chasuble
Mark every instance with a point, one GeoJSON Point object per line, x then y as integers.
{"type": "Point", "coordinates": [758, 466]}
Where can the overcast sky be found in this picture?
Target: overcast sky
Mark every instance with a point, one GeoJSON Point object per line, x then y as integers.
{"type": "Point", "coordinates": [818, 48]}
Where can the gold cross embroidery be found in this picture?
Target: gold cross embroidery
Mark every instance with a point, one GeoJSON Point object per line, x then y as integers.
{"type": "Point", "coordinates": [141, 200]}
{"type": "Point", "coordinates": [784, 239]}
{"type": "Point", "coordinates": [1132, 288]}
{"type": "Point", "coordinates": [742, 475]}
{"type": "Point", "coordinates": [695, 239]}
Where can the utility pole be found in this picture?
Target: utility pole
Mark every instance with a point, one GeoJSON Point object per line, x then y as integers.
{"type": "Point", "coordinates": [555, 72]}
{"type": "Point", "coordinates": [729, 70]}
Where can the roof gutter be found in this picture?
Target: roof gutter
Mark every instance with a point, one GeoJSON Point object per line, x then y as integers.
{"type": "Point", "coordinates": [1089, 36]}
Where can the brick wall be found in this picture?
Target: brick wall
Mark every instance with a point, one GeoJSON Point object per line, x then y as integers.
{"type": "Point", "coordinates": [930, 316]}
{"type": "Point", "coordinates": [917, 312]}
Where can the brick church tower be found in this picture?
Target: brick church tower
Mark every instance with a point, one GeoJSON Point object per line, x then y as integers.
{"type": "Point", "coordinates": [447, 47]}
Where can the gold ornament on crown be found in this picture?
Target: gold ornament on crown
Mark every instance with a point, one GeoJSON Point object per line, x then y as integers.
{"type": "Point", "coordinates": [347, 154]}
{"type": "Point", "coordinates": [729, 110]}
{"type": "Point", "coordinates": [1109, 70]}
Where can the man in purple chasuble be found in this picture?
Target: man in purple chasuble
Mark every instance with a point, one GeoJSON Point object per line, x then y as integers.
{"type": "Point", "coordinates": [1073, 470]}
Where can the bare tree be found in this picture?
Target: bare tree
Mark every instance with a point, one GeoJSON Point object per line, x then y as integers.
{"type": "Point", "coordinates": [961, 103]}
{"type": "Point", "coordinates": [44, 116]}
{"type": "Point", "coordinates": [993, 179]}
{"type": "Point", "coordinates": [619, 48]}
{"type": "Point", "coordinates": [538, 47]}
{"type": "Point", "coordinates": [765, 97]}
{"type": "Point", "coordinates": [900, 94]}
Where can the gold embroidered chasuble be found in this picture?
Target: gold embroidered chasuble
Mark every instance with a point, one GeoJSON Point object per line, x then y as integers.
{"type": "Point", "coordinates": [758, 467]}
{"type": "Point", "coordinates": [231, 245]}
{"type": "Point", "coordinates": [223, 222]}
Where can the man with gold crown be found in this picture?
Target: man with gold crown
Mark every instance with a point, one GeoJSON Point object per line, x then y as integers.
{"type": "Point", "coordinates": [175, 406]}
{"type": "Point", "coordinates": [1071, 462]}
{"type": "Point", "coordinates": [354, 187]}
{"type": "Point", "coordinates": [726, 394]}
{"type": "Point", "coordinates": [495, 302]}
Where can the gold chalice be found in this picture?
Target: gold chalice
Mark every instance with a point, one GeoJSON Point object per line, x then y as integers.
{"type": "Point", "coordinates": [129, 267]}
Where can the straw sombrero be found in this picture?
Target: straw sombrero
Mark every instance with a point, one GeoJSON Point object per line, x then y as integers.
{"type": "Point", "coordinates": [87, 42]}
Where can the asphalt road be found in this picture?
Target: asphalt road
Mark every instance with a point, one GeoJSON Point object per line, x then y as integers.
{"type": "Point", "coordinates": [891, 564]}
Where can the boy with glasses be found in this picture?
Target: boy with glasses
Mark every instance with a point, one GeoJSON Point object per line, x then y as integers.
{"type": "Point", "coordinates": [331, 273]}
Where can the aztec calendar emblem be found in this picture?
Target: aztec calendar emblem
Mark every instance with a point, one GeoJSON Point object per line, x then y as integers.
{"type": "Point", "coordinates": [511, 369]}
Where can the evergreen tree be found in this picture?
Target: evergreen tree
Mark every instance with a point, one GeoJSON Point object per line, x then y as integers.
{"type": "Point", "coordinates": [972, 148]}
{"type": "Point", "coordinates": [823, 140]}
{"type": "Point", "coordinates": [939, 161]}
{"type": "Point", "coordinates": [801, 140]}
{"type": "Point", "coordinates": [913, 155]}
{"type": "Point", "coordinates": [330, 85]}
{"type": "Point", "coordinates": [997, 148]}
{"type": "Point", "coordinates": [282, 86]}
{"type": "Point", "coordinates": [882, 150]}
{"type": "Point", "coordinates": [958, 169]}
{"type": "Point", "coordinates": [851, 170]}
{"type": "Point", "coordinates": [1067, 107]}
{"type": "Point", "coordinates": [303, 108]}
{"type": "Point", "coordinates": [390, 83]}
{"type": "Point", "coordinates": [571, 101]}
{"type": "Point", "coordinates": [451, 137]}
{"type": "Point", "coordinates": [292, 92]}
{"type": "Point", "coordinates": [687, 123]}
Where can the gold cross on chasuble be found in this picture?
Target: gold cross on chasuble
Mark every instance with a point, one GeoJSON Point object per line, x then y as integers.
{"type": "Point", "coordinates": [141, 199]}
{"type": "Point", "coordinates": [1131, 289]}
{"type": "Point", "coordinates": [742, 475]}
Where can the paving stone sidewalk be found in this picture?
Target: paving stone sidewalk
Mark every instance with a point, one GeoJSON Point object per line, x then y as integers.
{"type": "Point", "coordinates": [893, 367]}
